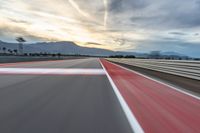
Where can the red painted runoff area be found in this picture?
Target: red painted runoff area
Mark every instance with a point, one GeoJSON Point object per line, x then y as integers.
{"type": "Point", "coordinates": [157, 107]}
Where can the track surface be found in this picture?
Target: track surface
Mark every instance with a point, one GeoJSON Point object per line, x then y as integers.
{"type": "Point", "coordinates": [59, 104]}
{"type": "Point", "coordinates": [158, 108]}
{"type": "Point", "coordinates": [87, 103]}
{"type": "Point", "coordinates": [187, 84]}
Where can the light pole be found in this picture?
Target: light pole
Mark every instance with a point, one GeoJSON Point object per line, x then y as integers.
{"type": "Point", "coordinates": [21, 40]}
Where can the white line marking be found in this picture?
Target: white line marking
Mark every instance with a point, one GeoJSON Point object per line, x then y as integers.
{"type": "Point", "coordinates": [129, 115]}
{"type": "Point", "coordinates": [64, 71]}
{"type": "Point", "coordinates": [179, 90]}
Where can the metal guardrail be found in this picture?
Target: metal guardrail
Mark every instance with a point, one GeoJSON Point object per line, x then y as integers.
{"type": "Point", "coordinates": [189, 69]}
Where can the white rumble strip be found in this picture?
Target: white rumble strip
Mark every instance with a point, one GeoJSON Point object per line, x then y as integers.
{"type": "Point", "coordinates": [53, 71]}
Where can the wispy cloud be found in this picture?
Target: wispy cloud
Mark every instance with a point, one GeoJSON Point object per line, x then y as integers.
{"type": "Point", "coordinates": [76, 6]}
{"type": "Point", "coordinates": [106, 11]}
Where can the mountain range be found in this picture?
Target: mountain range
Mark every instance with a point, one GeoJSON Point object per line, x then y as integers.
{"type": "Point", "coordinates": [70, 48]}
{"type": "Point", "coordinates": [63, 48]}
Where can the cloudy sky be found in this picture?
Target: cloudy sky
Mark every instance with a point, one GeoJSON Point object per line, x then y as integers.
{"type": "Point", "coordinates": [127, 25]}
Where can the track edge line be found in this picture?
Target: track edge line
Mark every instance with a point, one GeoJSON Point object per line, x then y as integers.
{"type": "Point", "coordinates": [128, 113]}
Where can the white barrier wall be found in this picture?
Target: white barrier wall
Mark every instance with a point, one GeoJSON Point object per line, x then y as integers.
{"type": "Point", "coordinates": [189, 69]}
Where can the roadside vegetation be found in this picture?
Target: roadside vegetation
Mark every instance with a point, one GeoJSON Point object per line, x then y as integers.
{"type": "Point", "coordinates": [4, 51]}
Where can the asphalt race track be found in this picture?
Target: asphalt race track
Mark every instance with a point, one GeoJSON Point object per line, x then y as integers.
{"type": "Point", "coordinates": [59, 104]}
{"type": "Point", "coordinates": [81, 96]}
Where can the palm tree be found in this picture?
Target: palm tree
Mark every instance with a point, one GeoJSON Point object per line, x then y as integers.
{"type": "Point", "coordinates": [10, 51]}
{"type": "Point", "coordinates": [21, 40]}
{"type": "Point", "coordinates": [4, 50]}
{"type": "Point", "coordinates": [15, 51]}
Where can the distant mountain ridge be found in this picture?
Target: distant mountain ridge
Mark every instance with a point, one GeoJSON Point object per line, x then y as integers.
{"type": "Point", "coordinates": [70, 48]}
{"type": "Point", "coordinates": [172, 53]}
{"type": "Point", "coordinates": [63, 48]}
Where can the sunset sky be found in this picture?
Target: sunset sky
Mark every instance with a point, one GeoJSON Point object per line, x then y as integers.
{"type": "Point", "coordinates": [126, 25]}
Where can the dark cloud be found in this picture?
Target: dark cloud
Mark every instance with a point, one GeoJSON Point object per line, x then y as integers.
{"type": "Point", "coordinates": [198, 3]}
{"type": "Point", "coordinates": [120, 41]}
{"type": "Point", "coordinates": [19, 21]}
{"type": "Point", "coordinates": [121, 5]}
{"type": "Point", "coordinates": [178, 33]}
{"type": "Point", "coordinates": [13, 32]}
{"type": "Point", "coordinates": [189, 20]}
{"type": "Point", "coordinates": [169, 15]}
{"type": "Point", "coordinates": [175, 21]}
{"type": "Point", "coordinates": [92, 43]}
{"type": "Point", "coordinates": [182, 47]}
{"type": "Point", "coordinates": [170, 39]}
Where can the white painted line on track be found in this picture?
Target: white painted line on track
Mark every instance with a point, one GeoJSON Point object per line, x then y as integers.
{"type": "Point", "coordinates": [129, 115]}
{"type": "Point", "coordinates": [179, 90]}
{"type": "Point", "coordinates": [53, 71]}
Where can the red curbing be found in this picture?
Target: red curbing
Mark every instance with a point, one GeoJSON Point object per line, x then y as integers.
{"type": "Point", "coordinates": [157, 107]}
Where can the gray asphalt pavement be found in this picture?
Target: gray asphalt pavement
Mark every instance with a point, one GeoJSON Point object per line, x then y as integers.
{"type": "Point", "coordinates": [72, 63]}
{"type": "Point", "coordinates": [60, 104]}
